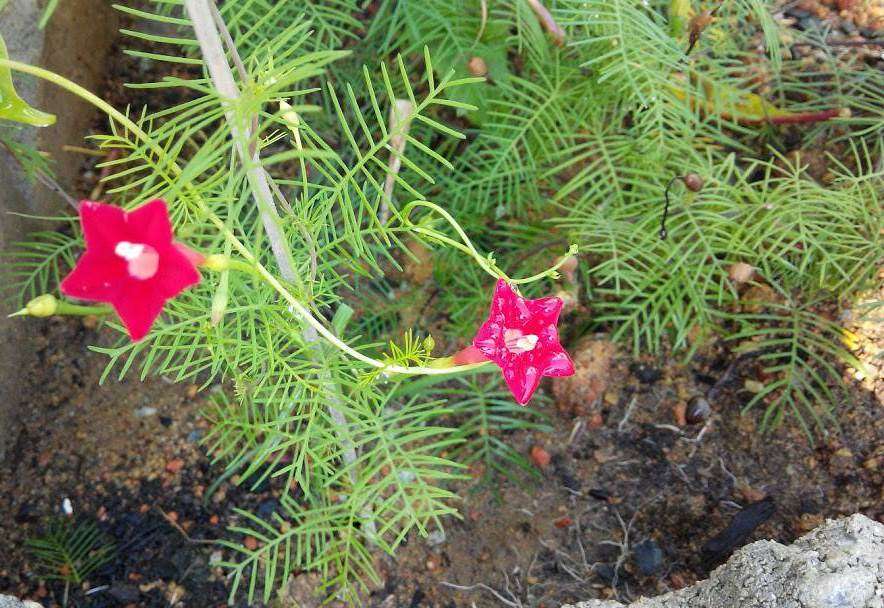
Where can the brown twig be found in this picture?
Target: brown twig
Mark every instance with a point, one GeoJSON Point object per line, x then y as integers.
{"type": "Point", "coordinates": [547, 22]}
{"type": "Point", "coordinates": [845, 43]}
{"type": "Point", "coordinates": [82, 150]}
{"type": "Point", "coordinates": [174, 524]}
{"type": "Point", "coordinates": [801, 118]}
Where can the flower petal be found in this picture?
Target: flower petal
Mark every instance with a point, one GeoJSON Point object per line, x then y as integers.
{"type": "Point", "coordinates": [559, 364]}
{"type": "Point", "coordinates": [151, 221]}
{"type": "Point", "coordinates": [522, 378]}
{"type": "Point", "coordinates": [545, 311]}
{"type": "Point", "coordinates": [103, 225]}
{"type": "Point", "coordinates": [176, 273]}
{"type": "Point", "coordinates": [138, 306]}
{"type": "Point", "coordinates": [96, 277]}
{"type": "Point", "coordinates": [193, 256]}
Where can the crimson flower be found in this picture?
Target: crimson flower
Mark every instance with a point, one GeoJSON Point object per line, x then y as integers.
{"type": "Point", "coordinates": [520, 336]}
{"type": "Point", "coordinates": [131, 262]}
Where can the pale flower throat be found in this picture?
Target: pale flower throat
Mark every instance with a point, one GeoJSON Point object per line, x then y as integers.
{"type": "Point", "coordinates": [518, 342]}
{"type": "Point", "coordinates": [143, 260]}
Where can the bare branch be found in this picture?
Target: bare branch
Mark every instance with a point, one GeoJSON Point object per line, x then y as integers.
{"type": "Point", "coordinates": [400, 122]}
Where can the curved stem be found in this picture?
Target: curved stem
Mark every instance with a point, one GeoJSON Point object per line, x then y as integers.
{"type": "Point", "coordinates": [296, 306]}
{"type": "Point", "coordinates": [467, 246]}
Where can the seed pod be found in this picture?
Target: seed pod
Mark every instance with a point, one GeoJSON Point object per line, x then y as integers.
{"type": "Point", "coordinates": [477, 66]}
{"type": "Point", "coordinates": [692, 182]}
{"type": "Point", "coordinates": [698, 410]}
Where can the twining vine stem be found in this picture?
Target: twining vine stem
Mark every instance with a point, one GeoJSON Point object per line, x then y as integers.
{"type": "Point", "coordinates": [296, 306]}
{"type": "Point", "coordinates": [258, 180]}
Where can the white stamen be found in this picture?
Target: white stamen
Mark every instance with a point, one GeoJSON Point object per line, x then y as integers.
{"type": "Point", "coordinates": [129, 251]}
{"type": "Point", "coordinates": [518, 342]}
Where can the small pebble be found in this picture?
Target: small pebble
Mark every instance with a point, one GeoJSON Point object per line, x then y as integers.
{"type": "Point", "coordinates": [174, 465]}
{"type": "Point", "coordinates": [753, 386]}
{"type": "Point", "coordinates": [250, 543]}
{"type": "Point", "coordinates": [477, 66]}
{"type": "Point", "coordinates": [648, 557]}
{"type": "Point", "coordinates": [144, 412]}
{"type": "Point", "coordinates": [267, 508]}
{"type": "Point", "coordinates": [646, 374]}
{"type": "Point", "coordinates": [698, 410]}
{"type": "Point", "coordinates": [436, 537]}
{"type": "Point", "coordinates": [604, 571]}
{"type": "Point", "coordinates": [600, 494]}
{"type": "Point", "coordinates": [540, 457]}
{"type": "Point", "coordinates": [741, 272]}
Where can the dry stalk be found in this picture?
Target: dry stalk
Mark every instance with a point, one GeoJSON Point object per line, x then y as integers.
{"type": "Point", "coordinates": [400, 123]}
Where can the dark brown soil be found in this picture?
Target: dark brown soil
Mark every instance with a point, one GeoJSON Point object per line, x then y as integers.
{"type": "Point", "coordinates": [628, 499]}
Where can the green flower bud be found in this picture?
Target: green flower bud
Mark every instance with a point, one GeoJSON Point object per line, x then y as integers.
{"type": "Point", "coordinates": [216, 262]}
{"type": "Point", "coordinates": [42, 306]}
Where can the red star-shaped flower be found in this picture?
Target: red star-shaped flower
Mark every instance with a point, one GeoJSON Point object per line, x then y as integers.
{"type": "Point", "coordinates": [520, 336]}
{"type": "Point", "coordinates": [131, 262]}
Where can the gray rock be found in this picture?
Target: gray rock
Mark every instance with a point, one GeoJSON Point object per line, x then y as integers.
{"type": "Point", "coordinates": [838, 565]}
{"type": "Point", "coordinates": [73, 44]}
{"type": "Point", "coordinates": [7, 601]}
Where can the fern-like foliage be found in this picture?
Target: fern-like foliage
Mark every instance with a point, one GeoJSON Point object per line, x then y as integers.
{"type": "Point", "coordinates": [71, 551]}
{"type": "Point", "coordinates": [799, 350]}
{"type": "Point", "coordinates": [32, 162]}
{"type": "Point", "coordinates": [395, 486]}
{"type": "Point", "coordinates": [486, 418]}
{"type": "Point", "coordinates": [37, 266]}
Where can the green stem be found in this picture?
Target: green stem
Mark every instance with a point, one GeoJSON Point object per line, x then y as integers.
{"type": "Point", "coordinates": [80, 310]}
{"type": "Point", "coordinates": [466, 246]}
{"type": "Point", "coordinates": [296, 306]}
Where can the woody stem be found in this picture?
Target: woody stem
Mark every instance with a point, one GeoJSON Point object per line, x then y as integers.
{"type": "Point", "coordinates": [204, 24]}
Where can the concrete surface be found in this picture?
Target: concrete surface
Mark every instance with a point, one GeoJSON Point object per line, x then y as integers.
{"type": "Point", "coordinates": [838, 565]}
{"type": "Point", "coordinates": [74, 44]}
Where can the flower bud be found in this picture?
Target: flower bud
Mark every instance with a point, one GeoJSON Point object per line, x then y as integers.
{"type": "Point", "coordinates": [429, 345]}
{"type": "Point", "coordinates": [216, 262]}
{"type": "Point", "coordinates": [219, 307]}
{"type": "Point", "coordinates": [477, 66]}
{"type": "Point", "coordinates": [692, 182]}
{"type": "Point", "coordinates": [42, 306]}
